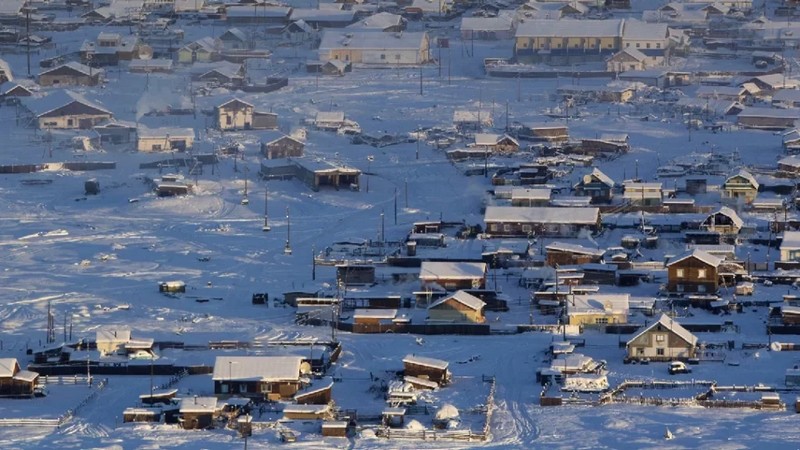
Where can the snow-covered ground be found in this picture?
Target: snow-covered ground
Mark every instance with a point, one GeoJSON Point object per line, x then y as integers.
{"type": "Point", "coordinates": [97, 260]}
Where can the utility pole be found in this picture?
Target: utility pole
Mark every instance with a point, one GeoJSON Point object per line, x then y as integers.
{"type": "Point", "coordinates": [420, 80]}
{"type": "Point", "coordinates": [313, 262]}
{"type": "Point", "coordinates": [266, 227]}
{"type": "Point", "coordinates": [28, 37]}
{"type": "Point", "coordinates": [395, 206]}
{"type": "Point", "coordinates": [287, 250]}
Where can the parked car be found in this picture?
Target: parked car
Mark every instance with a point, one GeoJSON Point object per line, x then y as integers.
{"type": "Point", "coordinates": [678, 367]}
{"type": "Point", "coordinates": [287, 436]}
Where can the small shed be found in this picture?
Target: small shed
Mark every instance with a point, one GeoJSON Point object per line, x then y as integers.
{"type": "Point", "coordinates": [306, 412]}
{"type": "Point", "coordinates": [355, 274]}
{"type": "Point", "coordinates": [197, 412]}
{"type": "Point", "coordinates": [141, 415]}
{"type": "Point", "coordinates": [432, 369]}
{"type": "Point", "coordinates": [336, 428]}
{"type": "Point", "coordinates": [393, 417]}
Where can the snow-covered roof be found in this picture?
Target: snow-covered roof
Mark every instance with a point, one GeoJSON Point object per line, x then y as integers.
{"type": "Point", "coordinates": [257, 368]}
{"type": "Point", "coordinates": [575, 248]}
{"type": "Point", "coordinates": [306, 409]}
{"type": "Point", "coordinates": [571, 28]}
{"type": "Point", "coordinates": [672, 325]}
{"type": "Point", "coordinates": [727, 211]}
{"type": "Point", "coordinates": [313, 15]}
{"type": "Point", "coordinates": [371, 40]}
{"type": "Point", "coordinates": [599, 303]}
{"type": "Point", "coordinates": [786, 95]}
{"type": "Point", "coordinates": [329, 116]}
{"type": "Point", "coordinates": [236, 33]}
{"type": "Point", "coordinates": [633, 53]}
{"type": "Point", "coordinates": [746, 175]}
{"type": "Point", "coordinates": [715, 91]}
{"type": "Point", "coordinates": [434, 270]}
{"type": "Point", "coordinates": [466, 299]}
{"type": "Point", "coordinates": [261, 11]}
{"type": "Point", "coordinates": [165, 132]}
{"type": "Point", "coordinates": [26, 376]}
{"type": "Point", "coordinates": [499, 23]}
{"type": "Point", "coordinates": [425, 361]}
{"type": "Point", "coordinates": [198, 405]}
{"type": "Point", "coordinates": [699, 254]}
{"type": "Point", "coordinates": [775, 113]}
{"type": "Point", "coordinates": [379, 21]}
{"type": "Point", "coordinates": [113, 334]}
{"type": "Point", "coordinates": [465, 115]}
{"type": "Point", "coordinates": [491, 138]}
{"type": "Point", "coordinates": [544, 214]}
{"type": "Point", "coordinates": [233, 100]}
{"type": "Point", "coordinates": [384, 314]}
{"type": "Point", "coordinates": [531, 193]}
{"type": "Point", "coordinates": [40, 106]}
{"type": "Point", "coordinates": [76, 66]}
{"type": "Point", "coordinates": [7, 367]}
{"type": "Point", "coordinates": [636, 30]}
{"type": "Point", "coordinates": [791, 240]}
{"type": "Point", "coordinates": [11, 7]}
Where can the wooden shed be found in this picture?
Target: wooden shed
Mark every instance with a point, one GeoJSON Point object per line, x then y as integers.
{"type": "Point", "coordinates": [197, 412]}
{"type": "Point", "coordinates": [427, 368]}
{"type": "Point", "coordinates": [336, 428]}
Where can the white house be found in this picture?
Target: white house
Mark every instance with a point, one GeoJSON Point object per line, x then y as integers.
{"type": "Point", "coordinates": [375, 47]}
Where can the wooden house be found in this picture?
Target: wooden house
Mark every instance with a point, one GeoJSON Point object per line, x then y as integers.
{"type": "Point", "coordinates": [164, 139]}
{"type": "Point", "coordinates": [663, 340]}
{"type": "Point", "coordinates": [626, 59]}
{"type": "Point", "coordinates": [237, 114]}
{"type": "Point", "coordinates": [790, 247]}
{"type": "Point", "coordinates": [488, 28]}
{"type": "Point", "coordinates": [353, 274]}
{"type": "Point", "coordinates": [66, 110]}
{"type": "Point", "coordinates": [741, 187]}
{"type": "Point", "coordinates": [695, 271]}
{"type": "Point", "coordinates": [5, 72]}
{"type": "Point", "coordinates": [276, 145]}
{"type": "Point", "coordinates": [496, 143]}
{"type": "Point", "coordinates": [789, 165]}
{"type": "Point", "coordinates": [724, 221]}
{"type": "Point", "coordinates": [373, 320]}
{"type": "Point", "coordinates": [197, 413]}
{"type": "Point", "coordinates": [318, 393]}
{"type": "Point", "coordinates": [567, 41]}
{"type": "Point", "coordinates": [459, 307]}
{"type": "Point", "coordinates": [453, 276]}
{"type": "Point", "coordinates": [269, 378]}
{"type": "Point", "coordinates": [791, 141]}
{"type": "Point", "coordinates": [786, 98]}
{"type": "Point", "coordinates": [375, 48]}
{"type": "Point", "coordinates": [643, 194]}
{"type": "Point", "coordinates": [597, 185]}
{"type": "Point", "coordinates": [598, 309]}
{"type": "Point", "coordinates": [234, 39]}
{"type": "Point", "coordinates": [116, 132]}
{"type": "Point", "coordinates": [553, 133]}
{"type": "Point", "coordinates": [767, 118]}
{"type": "Point", "coordinates": [329, 120]}
{"type": "Point", "coordinates": [206, 49]}
{"type": "Point", "coordinates": [605, 144]}
{"type": "Point", "coordinates": [263, 14]}
{"type": "Point", "coordinates": [565, 254]}
{"type": "Point", "coordinates": [650, 39]}
{"type": "Point", "coordinates": [729, 93]}
{"type": "Point", "coordinates": [71, 74]}
{"type": "Point", "coordinates": [109, 49]}
{"type": "Point", "coordinates": [12, 91]}
{"type": "Point", "coordinates": [512, 221]}
{"type": "Point", "coordinates": [432, 369]}
{"type": "Point", "coordinates": [604, 94]}
{"type": "Point", "coordinates": [299, 32]}
{"type": "Point", "coordinates": [14, 381]}
{"type": "Point", "coordinates": [111, 340]}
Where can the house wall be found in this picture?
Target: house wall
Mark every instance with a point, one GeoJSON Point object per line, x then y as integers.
{"type": "Point", "coordinates": [283, 148]}
{"type": "Point", "coordinates": [265, 121]}
{"type": "Point", "coordinates": [660, 345]}
{"type": "Point", "coordinates": [75, 121]}
{"type": "Point", "coordinates": [454, 311]}
{"type": "Point", "coordinates": [554, 258]}
{"type": "Point", "coordinates": [600, 318]}
{"type": "Point", "coordinates": [519, 229]}
{"type": "Point", "coordinates": [10, 386]}
{"type": "Point", "coordinates": [232, 118]}
{"type": "Point", "coordinates": [163, 144]}
{"type": "Point", "coordinates": [425, 372]}
{"type": "Point", "coordinates": [690, 281]}
{"type": "Point", "coordinates": [456, 284]}
{"type": "Point", "coordinates": [737, 187]}
{"type": "Point", "coordinates": [68, 80]}
{"type": "Point", "coordinates": [197, 421]}
{"type": "Point", "coordinates": [320, 397]}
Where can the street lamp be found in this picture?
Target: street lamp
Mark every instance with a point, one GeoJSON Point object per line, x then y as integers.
{"type": "Point", "coordinates": [287, 250]}
{"type": "Point", "coordinates": [266, 211]}
{"type": "Point", "coordinates": [370, 158]}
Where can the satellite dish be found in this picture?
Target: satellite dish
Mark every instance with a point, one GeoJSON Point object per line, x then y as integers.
{"type": "Point", "coordinates": [775, 346]}
{"type": "Point", "coordinates": [305, 368]}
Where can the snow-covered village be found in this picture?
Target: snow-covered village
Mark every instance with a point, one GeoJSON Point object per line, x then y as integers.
{"type": "Point", "coordinates": [406, 224]}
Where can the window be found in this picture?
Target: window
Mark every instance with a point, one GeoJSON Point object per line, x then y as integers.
{"type": "Point", "coordinates": [640, 351]}
{"type": "Point", "coordinates": [223, 388]}
{"type": "Point", "coordinates": [679, 273]}
{"type": "Point", "coordinates": [69, 122]}
{"type": "Point", "coordinates": [701, 273]}
{"type": "Point", "coordinates": [506, 227]}
{"type": "Point", "coordinates": [658, 45]}
{"type": "Point", "coordinates": [493, 227]}
{"type": "Point", "coordinates": [660, 351]}
{"type": "Point", "coordinates": [638, 45]}
{"type": "Point", "coordinates": [648, 45]}
{"type": "Point", "coordinates": [242, 388]}
{"type": "Point", "coordinates": [627, 45]}
{"type": "Point", "coordinates": [228, 120]}
{"type": "Point", "coordinates": [156, 147]}
{"type": "Point", "coordinates": [679, 288]}
{"type": "Point", "coordinates": [527, 228]}
{"type": "Point", "coordinates": [397, 56]}
{"type": "Point", "coordinates": [383, 56]}
{"type": "Point", "coordinates": [601, 320]}
{"type": "Point", "coordinates": [660, 338]}
{"type": "Point", "coordinates": [266, 388]}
